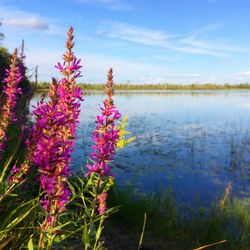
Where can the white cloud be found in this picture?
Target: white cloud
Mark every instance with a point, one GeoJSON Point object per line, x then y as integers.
{"type": "Point", "coordinates": [136, 34]}
{"type": "Point", "coordinates": [18, 19]}
{"type": "Point", "coordinates": [32, 23]}
{"type": "Point", "coordinates": [194, 40]}
{"type": "Point", "coordinates": [195, 75]}
{"type": "Point", "coordinates": [199, 51]}
{"type": "Point", "coordinates": [243, 74]}
{"type": "Point", "coordinates": [184, 43]}
{"type": "Point", "coordinates": [95, 68]}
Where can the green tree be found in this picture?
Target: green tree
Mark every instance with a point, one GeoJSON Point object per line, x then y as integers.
{"type": "Point", "coordinates": [4, 63]}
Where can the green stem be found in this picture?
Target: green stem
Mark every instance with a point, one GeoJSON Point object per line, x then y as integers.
{"type": "Point", "coordinates": [143, 230]}
{"type": "Point", "coordinates": [93, 207]}
{"type": "Point", "coordinates": [40, 244]}
{"type": "Point", "coordinates": [99, 232]}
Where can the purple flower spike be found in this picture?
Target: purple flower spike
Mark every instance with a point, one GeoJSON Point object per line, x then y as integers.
{"type": "Point", "coordinates": [105, 137]}
{"type": "Point", "coordinates": [57, 119]}
{"type": "Point", "coordinates": [12, 78]}
{"type": "Point", "coordinates": [101, 198]}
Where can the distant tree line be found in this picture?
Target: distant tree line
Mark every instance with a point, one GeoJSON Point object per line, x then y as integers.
{"type": "Point", "coordinates": [207, 86]}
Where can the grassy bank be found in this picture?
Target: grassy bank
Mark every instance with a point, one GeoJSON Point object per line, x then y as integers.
{"type": "Point", "coordinates": [168, 227]}
{"type": "Point", "coordinates": [87, 86]}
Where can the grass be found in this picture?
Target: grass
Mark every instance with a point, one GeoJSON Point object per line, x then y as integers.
{"type": "Point", "coordinates": [168, 228]}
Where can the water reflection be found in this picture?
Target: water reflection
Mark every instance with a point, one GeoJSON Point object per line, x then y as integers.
{"type": "Point", "coordinates": [193, 141]}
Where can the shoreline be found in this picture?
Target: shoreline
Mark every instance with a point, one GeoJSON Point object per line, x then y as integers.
{"type": "Point", "coordinates": [155, 87]}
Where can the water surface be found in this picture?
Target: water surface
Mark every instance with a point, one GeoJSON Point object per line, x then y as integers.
{"type": "Point", "coordinates": [195, 142]}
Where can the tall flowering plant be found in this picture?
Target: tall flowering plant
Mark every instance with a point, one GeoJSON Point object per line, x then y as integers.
{"type": "Point", "coordinates": [17, 114]}
{"type": "Point", "coordinates": [12, 78]}
{"type": "Point", "coordinates": [49, 146]}
{"type": "Point", "coordinates": [55, 130]}
{"type": "Point", "coordinates": [105, 137]}
{"type": "Point", "coordinates": [99, 172]}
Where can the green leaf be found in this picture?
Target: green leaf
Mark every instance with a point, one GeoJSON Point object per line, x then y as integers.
{"type": "Point", "coordinates": [9, 161]}
{"type": "Point", "coordinates": [15, 217]}
{"type": "Point", "coordinates": [85, 237]}
{"type": "Point", "coordinates": [98, 232]}
{"type": "Point", "coordinates": [30, 244]}
{"type": "Point", "coordinates": [57, 227]}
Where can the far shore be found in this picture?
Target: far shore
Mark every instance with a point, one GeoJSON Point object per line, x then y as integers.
{"type": "Point", "coordinates": [43, 86]}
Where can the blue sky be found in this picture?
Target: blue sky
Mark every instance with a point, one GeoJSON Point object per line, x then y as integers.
{"type": "Point", "coordinates": [145, 41]}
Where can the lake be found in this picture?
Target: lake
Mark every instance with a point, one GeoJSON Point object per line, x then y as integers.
{"type": "Point", "coordinates": [195, 142]}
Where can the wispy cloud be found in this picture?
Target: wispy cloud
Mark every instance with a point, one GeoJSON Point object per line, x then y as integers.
{"type": "Point", "coordinates": [190, 43]}
{"type": "Point", "coordinates": [32, 23]}
{"type": "Point", "coordinates": [195, 40]}
{"type": "Point", "coordinates": [133, 71]}
{"type": "Point", "coordinates": [195, 75]}
{"type": "Point", "coordinates": [12, 16]}
{"type": "Point", "coordinates": [111, 4]}
{"type": "Point", "coordinates": [124, 70]}
{"type": "Point", "coordinates": [136, 34]}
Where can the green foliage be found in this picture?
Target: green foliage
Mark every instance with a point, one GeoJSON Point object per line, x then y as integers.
{"type": "Point", "coordinates": [81, 225]}
{"type": "Point", "coordinates": [30, 244]}
{"type": "Point", "coordinates": [5, 57]}
{"type": "Point", "coordinates": [168, 228]}
{"type": "Point", "coordinates": [18, 221]}
{"type": "Point", "coordinates": [21, 215]}
{"type": "Point", "coordinates": [43, 85]}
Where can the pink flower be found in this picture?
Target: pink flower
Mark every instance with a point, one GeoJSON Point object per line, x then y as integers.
{"type": "Point", "coordinates": [56, 123]}
{"type": "Point", "coordinates": [105, 137]}
{"type": "Point", "coordinates": [101, 198]}
{"type": "Point", "coordinates": [12, 78]}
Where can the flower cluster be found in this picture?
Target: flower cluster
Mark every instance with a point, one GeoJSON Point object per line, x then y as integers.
{"type": "Point", "coordinates": [101, 198]}
{"type": "Point", "coordinates": [123, 141]}
{"type": "Point", "coordinates": [13, 76]}
{"type": "Point", "coordinates": [18, 172]}
{"type": "Point", "coordinates": [56, 123]}
{"type": "Point", "coordinates": [105, 137]}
